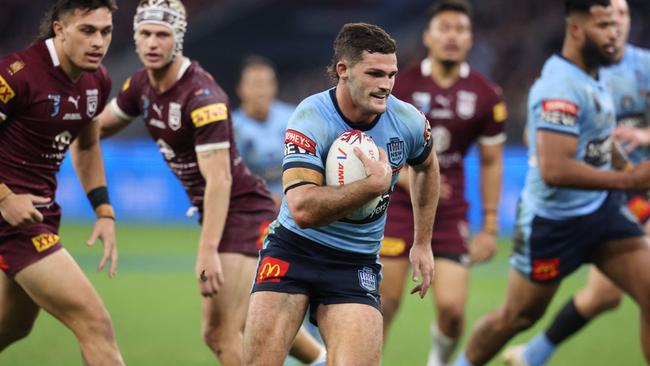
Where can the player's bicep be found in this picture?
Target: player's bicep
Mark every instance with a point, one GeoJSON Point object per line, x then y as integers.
{"type": "Point", "coordinates": [554, 148]}
{"type": "Point", "coordinates": [489, 153]}
{"type": "Point", "coordinates": [214, 164]}
{"type": "Point", "coordinates": [296, 177]}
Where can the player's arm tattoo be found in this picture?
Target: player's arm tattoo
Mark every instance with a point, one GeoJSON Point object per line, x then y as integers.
{"type": "Point", "coordinates": [207, 154]}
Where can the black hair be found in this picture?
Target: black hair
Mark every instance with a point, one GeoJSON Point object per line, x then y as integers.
{"type": "Point", "coordinates": [460, 6]}
{"type": "Point", "coordinates": [354, 38]}
{"type": "Point", "coordinates": [62, 8]}
{"type": "Point", "coordinates": [583, 6]}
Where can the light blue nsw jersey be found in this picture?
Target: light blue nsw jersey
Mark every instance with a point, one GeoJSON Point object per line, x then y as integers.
{"type": "Point", "coordinates": [401, 130]}
{"type": "Point", "coordinates": [260, 144]}
{"type": "Point", "coordinates": [629, 82]}
{"type": "Point", "coordinates": [567, 100]}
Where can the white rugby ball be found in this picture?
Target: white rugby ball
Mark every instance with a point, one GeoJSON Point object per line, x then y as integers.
{"type": "Point", "coordinates": [343, 166]}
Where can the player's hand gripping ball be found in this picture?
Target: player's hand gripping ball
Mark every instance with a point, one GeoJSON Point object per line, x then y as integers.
{"type": "Point", "coordinates": [343, 166]}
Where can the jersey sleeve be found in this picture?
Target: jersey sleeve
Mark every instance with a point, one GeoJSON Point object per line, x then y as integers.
{"type": "Point", "coordinates": [421, 142]}
{"type": "Point", "coordinates": [208, 111]}
{"type": "Point", "coordinates": [492, 124]}
{"type": "Point", "coordinates": [556, 106]}
{"type": "Point", "coordinates": [304, 138]}
{"type": "Point", "coordinates": [14, 89]}
{"type": "Point", "coordinates": [127, 104]}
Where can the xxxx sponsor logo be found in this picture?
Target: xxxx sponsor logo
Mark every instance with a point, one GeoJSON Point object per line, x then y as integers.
{"type": "Point", "coordinates": [3, 264]}
{"type": "Point", "coordinates": [271, 270]}
{"type": "Point", "coordinates": [6, 93]}
{"type": "Point", "coordinates": [45, 241]}
{"type": "Point", "coordinates": [210, 113]}
{"type": "Point", "coordinates": [391, 247]}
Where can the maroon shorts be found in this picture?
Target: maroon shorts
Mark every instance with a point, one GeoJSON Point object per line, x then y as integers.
{"type": "Point", "coordinates": [245, 232]}
{"type": "Point", "coordinates": [450, 236]}
{"type": "Point", "coordinates": [21, 247]}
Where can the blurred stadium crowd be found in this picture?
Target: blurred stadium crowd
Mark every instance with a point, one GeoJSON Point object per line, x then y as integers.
{"type": "Point", "coordinates": [511, 39]}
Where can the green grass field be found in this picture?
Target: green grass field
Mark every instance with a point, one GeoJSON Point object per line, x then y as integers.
{"type": "Point", "coordinates": [154, 304]}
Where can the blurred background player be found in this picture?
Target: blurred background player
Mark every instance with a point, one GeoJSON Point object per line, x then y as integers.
{"type": "Point", "coordinates": [570, 211]}
{"type": "Point", "coordinates": [188, 116]}
{"type": "Point", "coordinates": [628, 82]}
{"type": "Point", "coordinates": [463, 108]}
{"type": "Point", "coordinates": [326, 261]}
{"type": "Point", "coordinates": [260, 122]}
{"type": "Point", "coordinates": [50, 94]}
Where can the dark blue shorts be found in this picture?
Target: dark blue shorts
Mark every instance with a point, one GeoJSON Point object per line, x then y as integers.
{"type": "Point", "coordinates": [293, 264]}
{"type": "Point", "coordinates": [548, 250]}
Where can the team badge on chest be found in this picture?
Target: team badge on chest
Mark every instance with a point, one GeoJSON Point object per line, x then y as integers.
{"type": "Point", "coordinates": [395, 151]}
{"type": "Point", "coordinates": [92, 99]}
{"type": "Point", "coordinates": [174, 116]}
{"type": "Point", "coordinates": [465, 104]}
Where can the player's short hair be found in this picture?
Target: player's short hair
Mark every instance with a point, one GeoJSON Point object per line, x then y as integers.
{"type": "Point", "coordinates": [255, 61]}
{"type": "Point", "coordinates": [354, 38]}
{"type": "Point", "coordinates": [460, 6]}
{"type": "Point", "coordinates": [583, 6]}
{"type": "Point", "coordinates": [61, 8]}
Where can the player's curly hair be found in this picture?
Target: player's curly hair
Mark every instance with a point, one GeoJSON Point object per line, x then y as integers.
{"type": "Point", "coordinates": [62, 8]}
{"type": "Point", "coordinates": [353, 39]}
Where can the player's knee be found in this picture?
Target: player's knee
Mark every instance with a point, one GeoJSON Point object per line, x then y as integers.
{"type": "Point", "coordinates": [96, 323]}
{"type": "Point", "coordinates": [521, 319]}
{"type": "Point", "coordinates": [218, 338]}
{"type": "Point", "coordinates": [451, 317]}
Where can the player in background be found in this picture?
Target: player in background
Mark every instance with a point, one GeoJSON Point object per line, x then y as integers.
{"type": "Point", "coordinates": [260, 122]}
{"type": "Point", "coordinates": [188, 116]}
{"type": "Point", "coordinates": [322, 259]}
{"type": "Point", "coordinates": [571, 209]}
{"type": "Point", "coordinates": [628, 82]}
{"type": "Point", "coordinates": [463, 108]}
{"type": "Point", "coordinates": [50, 94]}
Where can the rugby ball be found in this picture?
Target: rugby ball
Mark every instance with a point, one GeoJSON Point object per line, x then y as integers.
{"type": "Point", "coordinates": [342, 166]}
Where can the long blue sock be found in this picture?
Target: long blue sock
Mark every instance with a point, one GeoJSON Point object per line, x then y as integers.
{"type": "Point", "coordinates": [539, 350]}
{"type": "Point", "coordinates": [462, 360]}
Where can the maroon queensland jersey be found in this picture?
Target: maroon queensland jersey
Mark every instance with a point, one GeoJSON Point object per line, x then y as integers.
{"type": "Point", "coordinates": [192, 116]}
{"type": "Point", "coordinates": [41, 112]}
{"type": "Point", "coordinates": [470, 110]}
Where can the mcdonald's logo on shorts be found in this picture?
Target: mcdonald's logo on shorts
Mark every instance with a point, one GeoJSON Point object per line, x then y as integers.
{"type": "Point", "coordinates": [271, 270]}
{"type": "Point", "coordinates": [546, 269]}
